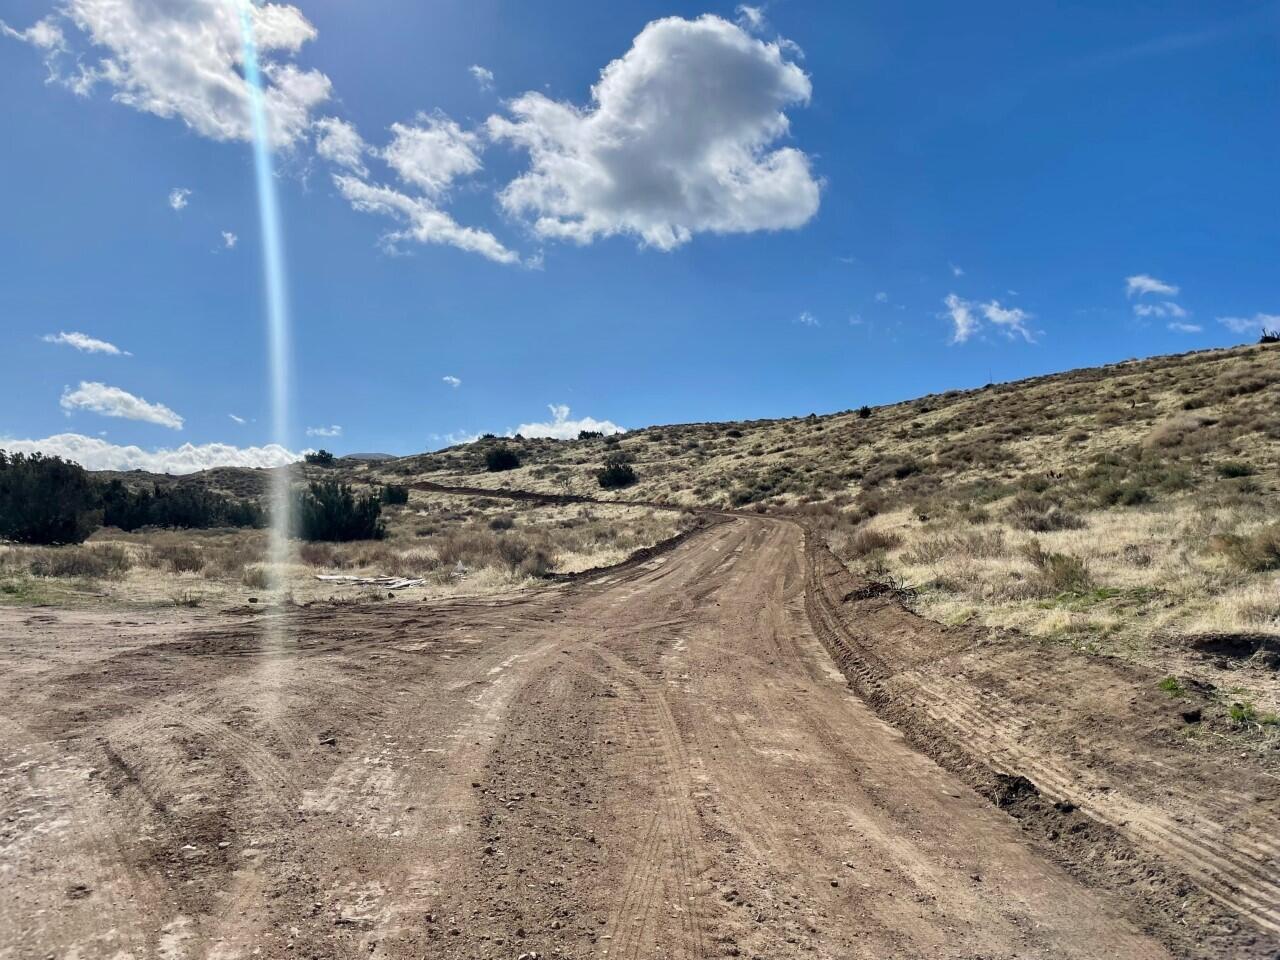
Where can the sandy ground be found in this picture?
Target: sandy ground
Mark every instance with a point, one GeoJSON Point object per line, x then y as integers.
{"type": "Point", "coordinates": [661, 762]}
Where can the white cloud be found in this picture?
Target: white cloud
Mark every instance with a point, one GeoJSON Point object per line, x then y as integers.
{"type": "Point", "coordinates": [807, 319]}
{"type": "Point", "coordinates": [966, 318]}
{"type": "Point", "coordinates": [1012, 321]}
{"type": "Point", "coordinates": [483, 77]}
{"type": "Point", "coordinates": [341, 144]}
{"type": "Point", "coordinates": [1165, 309]}
{"type": "Point", "coordinates": [229, 240]}
{"type": "Point", "coordinates": [96, 454]}
{"type": "Point", "coordinates": [178, 198]}
{"type": "Point", "coordinates": [43, 34]}
{"type": "Point", "coordinates": [427, 155]}
{"type": "Point", "coordinates": [1141, 283]}
{"type": "Point", "coordinates": [962, 317]}
{"type": "Point", "coordinates": [677, 140]}
{"type": "Point", "coordinates": [332, 431]}
{"type": "Point", "coordinates": [454, 437]}
{"type": "Point", "coordinates": [452, 381]}
{"type": "Point", "coordinates": [561, 427]}
{"type": "Point", "coordinates": [1255, 324]}
{"type": "Point", "coordinates": [85, 343]}
{"type": "Point", "coordinates": [432, 153]}
{"type": "Point", "coordinates": [956, 271]}
{"type": "Point", "coordinates": [423, 221]}
{"type": "Point", "coordinates": [1181, 327]}
{"type": "Point", "coordinates": [749, 17]}
{"type": "Point", "coordinates": [882, 297]}
{"type": "Point", "coordinates": [184, 59]}
{"type": "Point", "coordinates": [239, 420]}
{"type": "Point", "coordinates": [114, 402]}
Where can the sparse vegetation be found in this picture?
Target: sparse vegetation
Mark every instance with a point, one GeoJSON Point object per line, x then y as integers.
{"type": "Point", "coordinates": [320, 458]}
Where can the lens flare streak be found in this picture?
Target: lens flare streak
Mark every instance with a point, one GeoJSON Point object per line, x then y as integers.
{"type": "Point", "coordinates": [277, 305]}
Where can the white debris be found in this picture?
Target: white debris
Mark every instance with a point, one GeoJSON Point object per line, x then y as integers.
{"type": "Point", "coordinates": [391, 583]}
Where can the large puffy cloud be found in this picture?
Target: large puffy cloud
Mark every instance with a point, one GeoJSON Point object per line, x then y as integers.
{"type": "Point", "coordinates": [184, 59]}
{"type": "Point", "coordinates": [114, 402]}
{"type": "Point", "coordinates": [678, 140]}
{"type": "Point", "coordinates": [94, 453]}
{"type": "Point", "coordinates": [560, 427]}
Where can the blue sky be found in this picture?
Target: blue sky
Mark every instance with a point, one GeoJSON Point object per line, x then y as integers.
{"type": "Point", "coordinates": [795, 207]}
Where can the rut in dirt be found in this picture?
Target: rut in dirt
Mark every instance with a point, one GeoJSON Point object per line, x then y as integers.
{"type": "Point", "coordinates": [661, 760]}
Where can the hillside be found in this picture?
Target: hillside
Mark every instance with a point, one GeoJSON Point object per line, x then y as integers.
{"type": "Point", "coordinates": [1108, 507]}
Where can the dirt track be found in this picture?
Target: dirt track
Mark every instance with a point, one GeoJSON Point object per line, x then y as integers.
{"type": "Point", "coordinates": [661, 762]}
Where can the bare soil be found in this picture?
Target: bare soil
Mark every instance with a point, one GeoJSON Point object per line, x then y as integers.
{"type": "Point", "coordinates": [661, 760]}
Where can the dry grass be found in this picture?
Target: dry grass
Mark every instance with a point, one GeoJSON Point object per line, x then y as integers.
{"type": "Point", "coordinates": [460, 545]}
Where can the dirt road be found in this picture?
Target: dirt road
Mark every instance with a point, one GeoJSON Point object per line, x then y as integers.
{"type": "Point", "coordinates": [659, 763]}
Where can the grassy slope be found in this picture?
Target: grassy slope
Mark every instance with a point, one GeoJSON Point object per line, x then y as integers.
{"type": "Point", "coordinates": [1102, 506]}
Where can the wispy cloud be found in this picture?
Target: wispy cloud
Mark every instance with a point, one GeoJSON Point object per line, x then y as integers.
{"type": "Point", "coordinates": [749, 17]}
{"type": "Point", "coordinates": [1012, 321]}
{"type": "Point", "coordinates": [482, 75]}
{"type": "Point", "coordinates": [114, 402]}
{"type": "Point", "coordinates": [94, 453]}
{"type": "Point", "coordinates": [239, 420]}
{"type": "Point", "coordinates": [807, 319]}
{"type": "Point", "coordinates": [1179, 327]}
{"type": "Point", "coordinates": [967, 316]}
{"type": "Point", "coordinates": [963, 320]}
{"type": "Point", "coordinates": [229, 240]}
{"type": "Point", "coordinates": [956, 271]}
{"type": "Point", "coordinates": [1255, 324]}
{"type": "Point", "coordinates": [1142, 283]}
{"type": "Point", "coordinates": [179, 197]}
{"type": "Point", "coordinates": [1165, 309]}
{"type": "Point", "coordinates": [331, 431]}
{"type": "Point", "coordinates": [452, 381]}
{"type": "Point", "coordinates": [882, 297]}
{"type": "Point", "coordinates": [85, 343]}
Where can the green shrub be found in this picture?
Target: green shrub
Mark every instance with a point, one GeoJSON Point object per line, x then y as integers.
{"type": "Point", "coordinates": [186, 507]}
{"type": "Point", "coordinates": [321, 458]}
{"type": "Point", "coordinates": [1234, 468]}
{"type": "Point", "coordinates": [394, 495]}
{"type": "Point", "coordinates": [330, 510]}
{"type": "Point", "coordinates": [863, 412]}
{"type": "Point", "coordinates": [500, 458]}
{"type": "Point", "coordinates": [617, 472]}
{"type": "Point", "coordinates": [590, 434]}
{"type": "Point", "coordinates": [46, 500]}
